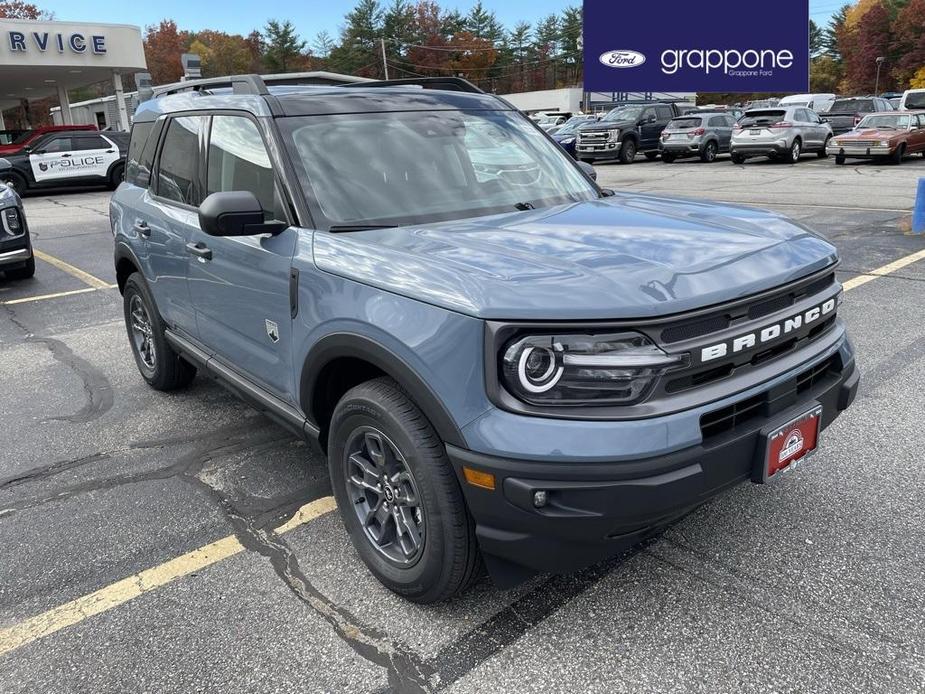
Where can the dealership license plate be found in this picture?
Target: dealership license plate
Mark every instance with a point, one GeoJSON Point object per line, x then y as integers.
{"type": "Point", "coordinates": [754, 131]}
{"type": "Point", "coordinates": [788, 445]}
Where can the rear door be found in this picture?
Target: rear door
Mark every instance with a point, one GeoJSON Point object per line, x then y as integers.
{"type": "Point", "coordinates": [240, 285]}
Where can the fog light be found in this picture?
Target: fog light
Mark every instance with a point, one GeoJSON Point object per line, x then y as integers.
{"type": "Point", "coordinates": [540, 498]}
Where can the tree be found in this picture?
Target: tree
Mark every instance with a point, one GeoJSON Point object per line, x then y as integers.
{"type": "Point", "coordinates": [909, 41]}
{"type": "Point", "coordinates": [164, 44]}
{"type": "Point", "coordinates": [358, 52]}
{"type": "Point", "coordinates": [323, 44]}
{"type": "Point", "coordinates": [825, 74]}
{"type": "Point", "coordinates": [283, 46]}
{"type": "Point", "coordinates": [816, 40]}
{"type": "Point", "coordinates": [17, 9]}
{"type": "Point", "coordinates": [221, 53]}
{"type": "Point", "coordinates": [869, 39]}
{"type": "Point", "coordinates": [918, 80]}
{"type": "Point", "coordinates": [483, 24]}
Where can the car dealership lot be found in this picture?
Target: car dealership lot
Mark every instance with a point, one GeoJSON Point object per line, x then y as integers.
{"type": "Point", "coordinates": [110, 490]}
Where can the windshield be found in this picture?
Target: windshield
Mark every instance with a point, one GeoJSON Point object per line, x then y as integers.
{"type": "Point", "coordinates": [624, 113]}
{"type": "Point", "coordinates": [885, 121]}
{"type": "Point", "coordinates": [915, 100]}
{"type": "Point", "coordinates": [685, 123]}
{"type": "Point", "coordinates": [851, 105]}
{"type": "Point", "coordinates": [762, 117]}
{"type": "Point", "coordinates": [416, 167]}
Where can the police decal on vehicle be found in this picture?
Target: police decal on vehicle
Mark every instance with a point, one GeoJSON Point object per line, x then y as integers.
{"type": "Point", "coordinates": [50, 165]}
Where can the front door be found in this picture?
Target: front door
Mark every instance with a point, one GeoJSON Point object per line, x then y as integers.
{"type": "Point", "coordinates": [240, 285]}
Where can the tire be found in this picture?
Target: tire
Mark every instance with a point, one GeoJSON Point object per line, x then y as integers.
{"type": "Point", "coordinates": [897, 157]}
{"type": "Point", "coordinates": [668, 158]}
{"type": "Point", "coordinates": [16, 181]}
{"type": "Point", "coordinates": [628, 151]}
{"type": "Point", "coordinates": [840, 159]}
{"type": "Point", "coordinates": [651, 156]}
{"type": "Point", "coordinates": [708, 154]}
{"type": "Point", "coordinates": [793, 154]}
{"type": "Point", "coordinates": [116, 176]}
{"type": "Point", "coordinates": [445, 560]}
{"type": "Point", "coordinates": [738, 158]}
{"type": "Point", "coordinates": [22, 273]}
{"type": "Point", "coordinates": [824, 152]}
{"type": "Point", "coordinates": [159, 365]}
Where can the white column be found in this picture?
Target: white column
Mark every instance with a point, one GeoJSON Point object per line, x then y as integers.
{"type": "Point", "coordinates": [120, 101]}
{"type": "Point", "coordinates": [65, 104]}
{"type": "Point", "coordinates": [2, 124]}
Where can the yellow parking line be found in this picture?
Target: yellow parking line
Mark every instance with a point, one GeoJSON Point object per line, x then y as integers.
{"type": "Point", "coordinates": [84, 277]}
{"type": "Point", "coordinates": [887, 269]}
{"type": "Point", "coordinates": [120, 592]}
{"type": "Point", "coordinates": [56, 295]}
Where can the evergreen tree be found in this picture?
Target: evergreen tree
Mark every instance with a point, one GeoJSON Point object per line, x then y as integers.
{"type": "Point", "coordinates": [283, 46]}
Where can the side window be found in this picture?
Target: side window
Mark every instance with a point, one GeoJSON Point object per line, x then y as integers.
{"type": "Point", "coordinates": [718, 122]}
{"type": "Point", "coordinates": [89, 142]}
{"type": "Point", "coordinates": [134, 169]}
{"type": "Point", "coordinates": [664, 112]}
{"type": "Point", "coordinates": [647, 114]}
{"type": "Point", "coordinates": [238, 160]}
{"type": "Point", "coordinates": [56, 144]}
{"type": "Point", "coordinates": [178, 166]}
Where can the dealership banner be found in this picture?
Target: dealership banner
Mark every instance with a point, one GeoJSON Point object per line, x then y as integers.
{"type": "Point", "coordinates": [709, 46]}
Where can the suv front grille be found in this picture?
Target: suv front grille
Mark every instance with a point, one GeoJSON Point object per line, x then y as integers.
{"type": "Point", "coordinates": [729, 418]}
{"type": "Point", "coordinates": [592, 138]}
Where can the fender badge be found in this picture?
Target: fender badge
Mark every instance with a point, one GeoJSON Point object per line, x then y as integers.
{"type": "Point", "coordinates": [272, 330]}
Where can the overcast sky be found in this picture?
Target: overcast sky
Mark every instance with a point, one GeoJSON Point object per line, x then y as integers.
{"type": "Point", "coordinates": [309, 16]}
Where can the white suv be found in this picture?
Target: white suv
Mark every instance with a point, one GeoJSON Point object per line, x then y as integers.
{"type": "Point", "coordinates": [779, 133]}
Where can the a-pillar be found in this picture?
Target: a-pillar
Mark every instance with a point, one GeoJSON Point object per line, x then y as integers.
{"type": "Point", "coordinates": [120, 101]}
{"type": "Point", "coordinates": [65, 105]}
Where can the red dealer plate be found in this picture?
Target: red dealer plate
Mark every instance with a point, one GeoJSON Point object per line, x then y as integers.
{"type": "Point", "coordinates": [789, 444]}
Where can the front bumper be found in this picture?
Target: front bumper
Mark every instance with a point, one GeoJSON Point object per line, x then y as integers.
{"type": "Point", "coordinates": [15, 249]}
{"type": "Point", "coordinates": [596, 510]}
{"type": "Point", "coordinates": [603, 150]}
{"type": "Point", "coordinates": [859, 152]}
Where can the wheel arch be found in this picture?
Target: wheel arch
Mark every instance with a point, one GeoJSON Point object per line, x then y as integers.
{"type": "Point", "coordinates": [126, 263]}
{"type": "Point", "coordinates": [340, 361]}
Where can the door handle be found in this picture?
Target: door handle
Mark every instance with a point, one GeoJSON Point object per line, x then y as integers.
{"type": "Point", "coordinates": [65, 155]}
{"type": "Point", "coordinates": [200, 250]}
{"type": "Point", "coordinates": [110, 151]}
{"type": "Point", "coordinates": [142, 228]}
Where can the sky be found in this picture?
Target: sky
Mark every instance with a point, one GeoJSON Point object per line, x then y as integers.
{"type": "Point", "coordinates": [309, 16]}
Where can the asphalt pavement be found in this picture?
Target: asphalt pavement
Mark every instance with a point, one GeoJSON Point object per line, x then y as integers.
{"type": "Point", "coordinates": [154, 542]}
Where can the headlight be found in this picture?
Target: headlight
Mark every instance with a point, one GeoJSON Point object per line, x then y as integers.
{"type": "Point", "coordinates": [579, 369]}
{"type": "Point", "coordinates": [884, 143]}
{"type": "Point", "coordinates": [614, 134]}
{"type": "Point", "coordinates": [11, 221]}
{"type": "Point", "coordinates": [567, 141]}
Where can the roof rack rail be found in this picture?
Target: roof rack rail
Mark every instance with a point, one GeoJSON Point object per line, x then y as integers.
{"type": "Point", "coordinates": [453, 84]}
{"type": "Point", "coordinates": [240, 84]}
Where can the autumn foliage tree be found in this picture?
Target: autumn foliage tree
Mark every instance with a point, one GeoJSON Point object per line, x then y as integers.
{"type": "Point", "coordinates": [17, 9]}
{"type": "Point", "coordinates": [164, 44]}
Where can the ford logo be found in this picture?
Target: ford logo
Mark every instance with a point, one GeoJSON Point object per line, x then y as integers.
{"type": "Point", "coordinates": [622, 59]}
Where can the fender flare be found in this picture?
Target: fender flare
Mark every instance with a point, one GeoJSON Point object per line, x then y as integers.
{"type": "Point", "coordinates": [123, 252]}
{"type": "Point", "coordinates": [346, 344]}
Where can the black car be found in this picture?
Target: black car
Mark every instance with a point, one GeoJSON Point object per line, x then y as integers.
{"type": "Point", "coordinates": [624, 132]}
{"type": "Point", "coordinates": [79, 157]}
{"type": "Point", "coordinates": [16, 260]}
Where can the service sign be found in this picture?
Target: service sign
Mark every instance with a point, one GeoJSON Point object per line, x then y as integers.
{"type": "Point", "coordinates": [709, 46]}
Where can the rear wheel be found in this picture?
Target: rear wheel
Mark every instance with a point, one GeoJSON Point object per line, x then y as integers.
{"type": "Point", "coordinates": [116, 176]}
{"type": "Point", "coordinates": [628, 151]}
{"type": "Point", "coordinates": [398, 494]}
{"type": "Point", "coordinates": [708, 153]}
{"type": "Point", "coordinates": [796, 149]}
{"type": "Point", "coordinates": [158, 364]}
{"type": "Point", "coordinates": [24, 272]}
{"type": "Point", "coordinates": [824, 152]}
{"type": "Point", "coordinates": [14, 181]}
{"type": "Point", "coordinates": [738, 158]}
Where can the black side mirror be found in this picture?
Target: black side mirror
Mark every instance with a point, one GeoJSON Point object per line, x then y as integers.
{"type": "Point", "coordinates": [235, 213]}
{"type": "Point", "coordinates": [588, 169]}
{"type": "Point", "coordinates": [647, 120]}
{"type": "Point", "coordinates": [608, 192]}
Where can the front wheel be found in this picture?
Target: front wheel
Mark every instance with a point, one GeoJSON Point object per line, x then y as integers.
{"type": "Point", "coordinates": [824, 152]}
{"type": "Point", "coordinates": [398, 494]}
{"type": "Point", "coordinates": [897, 156]}
{"type": "Point", "coordinates": [668, 158]}
{"type": "Point", "coordinates": [158, 364]}
{"type": "Point", "coordinates": [628, 152]}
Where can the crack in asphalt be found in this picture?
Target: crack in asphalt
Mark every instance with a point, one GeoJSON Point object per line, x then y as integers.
{"type": "Point", "coordinates": [45, 472]}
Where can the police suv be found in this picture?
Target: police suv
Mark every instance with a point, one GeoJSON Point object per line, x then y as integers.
{"type": "Point", "coordinates": [68, 157]}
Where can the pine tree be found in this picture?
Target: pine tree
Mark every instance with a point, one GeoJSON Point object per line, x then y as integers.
{"type": "Point", "coordinates": [283, 46]}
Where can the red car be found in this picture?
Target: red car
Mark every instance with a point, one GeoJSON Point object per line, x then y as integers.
{"type": "Point", "coordinates": [31, 135]}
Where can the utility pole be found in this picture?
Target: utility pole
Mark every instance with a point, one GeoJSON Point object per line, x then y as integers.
{"type": "Point", "coordinates": [385, 65]}
{"type": "Point", "coordinates": [880, 61]}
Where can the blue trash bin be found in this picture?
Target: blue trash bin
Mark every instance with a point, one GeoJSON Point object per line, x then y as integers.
{"type": "Point", "coordinates": [918, 212]}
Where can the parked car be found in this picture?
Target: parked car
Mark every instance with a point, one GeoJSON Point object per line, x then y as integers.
{"type": "Point", "coordinates": [735, 111]}
{"type": "Point", "coordinates": [573, 123]}
{"type": "Point", "coordinates": [761, 103]}
{"type": "Point", "coordinates": [912, 99]}
{"type": "Point", "coordinates": [551, 120]}
{"type": "Point", "coordinates": [815, 102]}
{"type": "Point", "coordinates": [890, 136]}
{"type": "Point", "coordinates": [16, 259]}
{"type": "Point", "coordinates": [541, 375]}
{"type": "Point", "coordinates": [67, 157]}
{"type": "Point", "coordinates": [702, 135]}
{"type": "Point", "coordinates": [779, 133]}
{"type": "Point", "coordinates": [846, 113]}
{"type": "Point", "coordinates": [567, 135]}
{"type": "Point", "coordinates": [625, 132]}
{"type": "Point", "coordinates": [28, 138]}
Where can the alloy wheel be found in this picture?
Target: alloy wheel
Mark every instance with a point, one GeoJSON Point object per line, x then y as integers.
{"type": "Point", "coordinates": [384, 496]}
{"type": "Point", "coordinates": [142, 333]}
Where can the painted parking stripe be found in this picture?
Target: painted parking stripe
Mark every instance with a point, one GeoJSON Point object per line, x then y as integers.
{"type": "Point", "coordinates": [56, 295]}
{"type": "Point", "coordinates": [127, 589]}
{"type": "Point", "coordinates": [84, 277]}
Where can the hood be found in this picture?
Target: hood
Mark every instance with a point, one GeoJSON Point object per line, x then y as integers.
{"type": "Point", "coordinates": [870, 134]}
{"type": "Point", "coordinates": [628, 256]}
{"type": "Point", "coordinates": [609, 125]}
{"type": "Point", "coordinates": [8, 196]}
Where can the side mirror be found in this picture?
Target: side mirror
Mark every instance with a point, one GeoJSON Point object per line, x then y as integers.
{"type": "Point", "coordinates": [235, 213]}
{"type": "Point", "coordinates": [608, 192]}
{"type": "Point", "coordinates": [588, 170]}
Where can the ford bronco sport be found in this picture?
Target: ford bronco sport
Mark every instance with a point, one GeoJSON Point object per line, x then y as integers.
{"type": "Point", "coordinates": [503, 362]}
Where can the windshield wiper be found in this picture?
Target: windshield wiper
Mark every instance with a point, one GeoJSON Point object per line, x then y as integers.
{"type": "Point", "coordinates": [359, 227]}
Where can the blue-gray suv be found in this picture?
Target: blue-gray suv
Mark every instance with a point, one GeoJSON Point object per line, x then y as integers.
{"type": "Point", "coordinates": [505, 364]}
